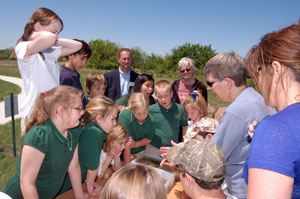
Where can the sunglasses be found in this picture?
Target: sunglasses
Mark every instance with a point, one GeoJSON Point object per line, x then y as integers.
{"type": "Point", "coordinates": [210, 84]}
{"type": "Point", "coordinates": [186, 70]}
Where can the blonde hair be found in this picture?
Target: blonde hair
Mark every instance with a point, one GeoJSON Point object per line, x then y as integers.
{"type": "Point", "coordinates": [134, 181]}
{"type": "Point", "coordinates": [163, 84]}
{"type": "Point", "coordinates": [99, 105]}
{"type": "Point", "coordinates": [138, 101]}
{"type": "Point", "coordinates": [198, 103]}
{"type": "Point", "coordinates": [47, 102]}
{"type": "Point", "coordinates": [117, 133]}
{"type": "Point", "coordinates": [94, 78]}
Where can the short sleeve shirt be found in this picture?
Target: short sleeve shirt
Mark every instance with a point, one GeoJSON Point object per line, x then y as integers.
{"type": "Point", "coordinates": [58, 152]}
{"type": "Point", "coordinates": [136, 130]}
{"type": "Point", "coordinates": [167, 123]}
{"type": "Point", "coordinates": [90, 147]}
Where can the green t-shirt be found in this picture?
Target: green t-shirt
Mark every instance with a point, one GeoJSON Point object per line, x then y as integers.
{"type": "Point", "coordinates": [135, 129]}
{"type": "Point", "coordinates": [123, 100]}
{"type": "Point", "coordinates": [167, 123]}
{"type": "Point", "coordinates": [58, 152]}
{"type": "Point", "coordinates": [89, 151]}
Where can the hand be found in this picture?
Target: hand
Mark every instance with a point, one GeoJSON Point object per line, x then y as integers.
{"type": "Point", "coordinates": [164, 151]}
{"type": "Point", "coordinates": [130, 143]}
{"type": "Point", "coordinates": [121, 108]}
{"type": "Point", "coordinates": [96, 189]}
{"type": "Point", "coordinates": [252, 127]}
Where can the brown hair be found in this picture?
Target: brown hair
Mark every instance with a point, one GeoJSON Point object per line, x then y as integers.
{"type": "Point", "coordinates": [282, 46]}
{"type": "Point", "coordinates": [84, 50]}
{"type": "Point", "coordinates": [124, 49]}
{"type": "Point", "coordinates": [198, 103]}
{"type": "Point", "coordinates": [117, 133]}
{"type": "Point", "coordinates": [42, 15]}
{"type": "Point", "coordinates": [99, 105]}
{"type": "Point", "coordinates": [94, 78]}
{"type": "Point", "coordinates": [47, 102]}
{"type": "Point", "coordinates": [134, 181]}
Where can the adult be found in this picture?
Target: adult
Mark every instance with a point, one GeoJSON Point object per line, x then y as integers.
{"type": "Point", "coordinates": [202, 168]}
{"type": "Point", "coordinates": [120, 80]}
{"type": "Point", "coordinates": [226, 78]}
{"type": "Point", "coordinates": [183, 87]}
{"type": "Point", "coordinates": [273, 165]}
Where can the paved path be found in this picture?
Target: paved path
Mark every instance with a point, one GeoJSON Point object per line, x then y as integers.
{"type": "Point", "coordinates": [21, 98]}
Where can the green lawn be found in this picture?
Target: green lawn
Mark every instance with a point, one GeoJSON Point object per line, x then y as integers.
{"type": "Point", "coordinates": [6, 88]}
{"type": "Point", "coordinates": [7, 159]}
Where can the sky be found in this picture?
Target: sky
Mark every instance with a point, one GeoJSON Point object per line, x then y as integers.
{"type": "Point", "coordinates": [157, 26]}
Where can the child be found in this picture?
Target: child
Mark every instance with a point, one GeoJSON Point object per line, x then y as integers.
{"type": "Point", "coordinates": [50, 147]}
{"type": "Point", "coordinates": [112, 149]}
{"type": "Point", "coordinates": [99, 117]}
{"type": "Point", "coordinates": [37, 52]}
{"type": "Point", "coordinates": [139, 125]}
{"type": "Point", "coordinates": [95, 85]}
{"type": "Point", "coordinates": [218, 113]}
{"type": "Point", "coordinates": [75, 61]}
{"type": "Point", "coordinates": [196, 108]}
{"type": "Point", "coordinates": [134, 181]}
{"type": "Point", "coordinates": [144, 83]}
{"type": "Point", "coordinates": [168, 117]}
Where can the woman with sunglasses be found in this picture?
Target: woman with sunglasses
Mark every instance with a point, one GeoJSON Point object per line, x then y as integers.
{"type": "Point", "coordinates": [184, 86]}
{"type": "Point", "coordinates": [272, 169]}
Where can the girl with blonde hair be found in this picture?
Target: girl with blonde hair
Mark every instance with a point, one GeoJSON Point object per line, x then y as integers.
{"type": "Point", "coordinates": [196, 108]}
{"type": "Point", "coordinates": [134, 181]}
{"type": "Point", "coordinates": [112, 150]}
{"type": "Point", "coordinates": [98, 119]}
{"type": "Point", "coordinates": [50, 146]}
{"type": "Point", "coordinates": [138, 124]}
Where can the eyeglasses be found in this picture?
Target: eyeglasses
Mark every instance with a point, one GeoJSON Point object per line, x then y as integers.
{"type": "Point", "coordinates": [210, 84]}
{"type": "Point", "coordinates": [185, 70]}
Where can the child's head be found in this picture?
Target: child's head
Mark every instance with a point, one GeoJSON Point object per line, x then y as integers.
{"type": "Point", "coordinates": [42, 19]}
{"type": "Point", "coordinates": [102, 111]}
{"type": "Point", "coordinates": [206, 128]}
{"type": "Point", "coordinates": [144, 83]}
{"type": "Point", "coordinates": [218, 113]}
{"type": "Point", "coordinates": [195, 106]}
{"type": "Point", "coordinates": [164, 93]}
{"type": "Point", "coordinates": [116, 139]}
{"type": "Point", "coordinates": [62, 101]}
{"type": "Point", "coordinates": [78, 59]}
{"type": "Point", "coordinates": [139, 105]}
{"type": "Point", "coordinates": [95, 84]}
{"type": "Point", "coordinates": [134, 181]}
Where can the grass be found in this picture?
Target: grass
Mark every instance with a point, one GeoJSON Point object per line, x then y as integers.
{"type": "Point", "coordinates": [7, 159]}
{"type": "Point", "coordinates": [6, 88]}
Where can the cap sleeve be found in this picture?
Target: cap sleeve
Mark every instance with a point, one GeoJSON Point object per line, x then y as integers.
{"type": "Point", "coordinates": [37, 138]}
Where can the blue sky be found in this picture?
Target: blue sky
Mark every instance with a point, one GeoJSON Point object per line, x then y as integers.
{"type": "Point", "coordinates": [157, 26]}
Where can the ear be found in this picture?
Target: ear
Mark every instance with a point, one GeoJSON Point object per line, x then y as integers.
{"type": "Point", "coordinates": [229, 82]}
{"type": "Point", "coordinates": [37, 26]}
{"type": "Point", "coordinates": [189, 178]}
{"type": "Point", "coordinates": [278, 69]}
{"type": "Point", "coordinates": [99, 119]}
{"type": "Point", "coordinates": [59, 111]}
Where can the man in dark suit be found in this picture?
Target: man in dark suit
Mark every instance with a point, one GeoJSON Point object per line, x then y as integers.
{"type": "Point", "coordinates": [121, 80]}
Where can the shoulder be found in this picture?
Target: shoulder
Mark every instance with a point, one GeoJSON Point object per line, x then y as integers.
{"type": "Point", "coordinates": [125, 113]}
{"type": "Point", "coordinates": [154, 107]}
{"type": "Point", "coordinates": [92, 131]}
{"type": "Point", "coordinates": [133, 73]}
{"type": "Point", "coordinates": [199, 85]}
{"type": "Point", "coordinates": [111, 73]}
{"type": "Point", "coordinates": [175, 83]}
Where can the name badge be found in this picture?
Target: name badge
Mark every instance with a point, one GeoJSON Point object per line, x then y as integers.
{"type": "Point", "coordinates": [131, 84]}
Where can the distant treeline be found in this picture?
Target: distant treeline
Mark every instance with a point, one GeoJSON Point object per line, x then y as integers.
{"type": "Point", "coordinates": [105, 54]}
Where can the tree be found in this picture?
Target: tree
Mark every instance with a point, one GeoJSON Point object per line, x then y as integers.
{"type": "Point", "coordinates": [156, 63]}
{"type": "Point", "coordinates": [138, 58]}
{"type": "Point", "coordinates": [200, 54]}
{"type": "Point", "coordinates": [104, 54]}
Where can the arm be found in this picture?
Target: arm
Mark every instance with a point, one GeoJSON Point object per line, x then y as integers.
{"type": "Point", "coordinates": [117, 163]}
{"type": "Point", "coordinates": [126, 155]}
{"type": "Point", "coordinates": [90, 181]}
{"type": "Point", "coordinates": [264, 183]}
{"type": "Point", "coordinates": [184, 129]}
{"type": "Point", "coordinates": [68, 46]}
{"type": "Point", "coordinates": [31, 162]}
{"type": "Point", "coordinates": [75, 175]}
{"type": "Point", "coordinates": [105, 165]}
{"type": "Point", "coordinates": [142, 142]}
{"type": "Point", "coordinates": [40, 41]}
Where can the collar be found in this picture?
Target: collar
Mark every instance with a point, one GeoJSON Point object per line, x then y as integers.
{"type": "Point", "coordinates": [72, 72]}
{"type": "Point", "coordinates": [167, 110]}
{"type": "Point", "coordinates": [124, 74]}
{"type": "Point", "coordinates": [55, 131]}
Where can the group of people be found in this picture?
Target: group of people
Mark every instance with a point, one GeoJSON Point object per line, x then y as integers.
{"type": "Point", "coordinates": [70, 138]}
